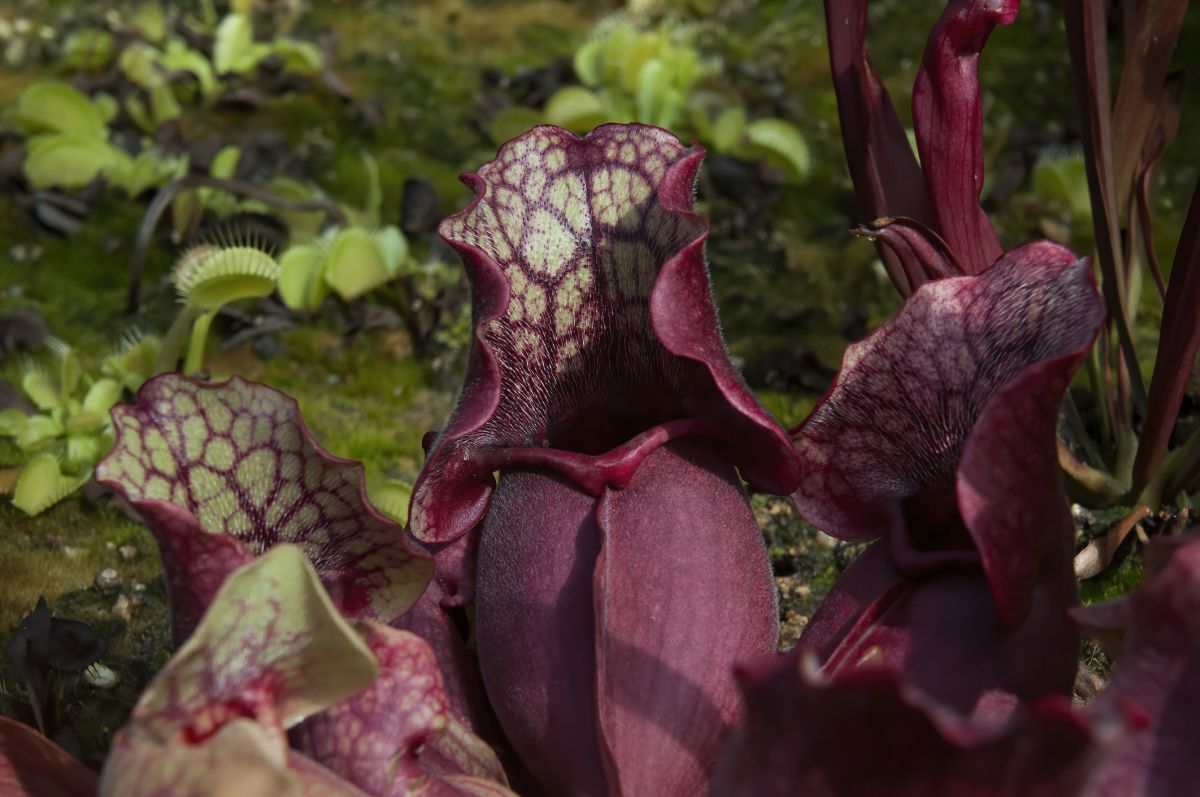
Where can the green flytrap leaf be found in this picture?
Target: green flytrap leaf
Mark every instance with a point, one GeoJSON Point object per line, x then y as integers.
{"type": "Point", "coordinates": [512, 121]}
{"type": "Point", "coordinates": [299, 57]}
{"type": "Point", "coordinates": [42, 484]}
{"type": "Point", "coordinates": [52, 106]}
{"type": "Point", "coordinates": [355, 264]}
{"type": "Point", "coordinates": [234, 44]}
{"type": "Point", "coordinates": [302, 284]}
{"type": "Point", "coordinates": [150, 22]}
{"type": "Point", "coordinates": [178, 57]}
{"type": "Point", "coordinates": [90, 48]}
{"type": "Point", "coordinates": [351, 262]}
{"type": "Point", "coordinates": [208, 277]}
{"type": "Point", "coordinates": [780, 141]}
{"type": "Point", "coordinates": [576, 108]}
{"type": "Point", "coordinates": [65, 160]}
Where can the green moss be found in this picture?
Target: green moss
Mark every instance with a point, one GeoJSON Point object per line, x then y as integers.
{"type": "Point", "coordinates": [368, 399]}
{"type": "Point", "coordinates": [1114, 583]}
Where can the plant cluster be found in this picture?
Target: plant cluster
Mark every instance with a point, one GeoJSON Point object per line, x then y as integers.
{"type": "Point", "coordinates": [581, 602]}
{"type": "Point", "coordinates": [661, 77]}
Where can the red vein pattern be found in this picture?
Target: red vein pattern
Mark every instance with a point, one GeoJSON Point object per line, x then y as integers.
{"type": "Point", "coordinates": [238, 460]}
{"type": "Point", "coordinates": [593, 316]}
{"type": "Point", "coordinates": [906, 397]}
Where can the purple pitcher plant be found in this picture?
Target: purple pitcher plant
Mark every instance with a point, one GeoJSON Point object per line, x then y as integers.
{"type": "Point", "coordinates": [582, 603]}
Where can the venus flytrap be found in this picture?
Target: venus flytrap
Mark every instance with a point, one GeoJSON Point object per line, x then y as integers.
{"type": "Point", "coordinates": [67, 436]}
{"type": "Point", "coordinates": [208, 277]}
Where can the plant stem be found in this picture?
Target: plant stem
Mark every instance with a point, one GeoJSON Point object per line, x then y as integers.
{"type": "Point", "coordinates": [195, 354]}
{"type": "Point", "coordinates": [172, 345]}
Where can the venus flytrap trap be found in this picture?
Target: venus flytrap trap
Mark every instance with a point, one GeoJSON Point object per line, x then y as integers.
{"type": "Point", "coordinates": [208, 277]}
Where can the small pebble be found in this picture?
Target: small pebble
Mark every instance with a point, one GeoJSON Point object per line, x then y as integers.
{"type": "Point", "coordinates": [127, 553]}
{"type": "Point", "coordinates": [112, 546]}
{"type": "Point", "coordinates": [108, 579]}
{"type": "Point", "coordinates": [25, 253]}
{"type": "Point", "coordinates": [71, 552]}
{"type": "Point", "coordinates": [123, 608]}
{"type": "Point", "coordinates": [138, 587]}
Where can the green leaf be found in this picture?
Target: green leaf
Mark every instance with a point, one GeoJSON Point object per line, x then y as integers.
{"type": "Point", "coordinates": [210, 277]}
{"type": "Point", "coordinates": [150, 22]}
{"type": "Point", "coordinates": [186, 213]}
{"type": "Point", "coordinates": [56, 107]}
{"type": "Point", "coordinates": [576, 109]}
{"type": "Point", "coordinates": [70, 372]}
{"type": "Point", "coordinates": [303, 226]}
{"type": "Point", "coordinates": [355, 264]}
{"type": "Point", "coordinates": [178, 57]}
{"type": "Point", "coordinates": [163, 105]}
{"type": "Point", "coordinates": [102, 395]}
{"type": "Point", "coordinates": [87, 447]}
{"type": "Point", "coordinates": [299, 57]}
{"type": "Point", "coordinates": [302, 284]}
{"type": "Point", "coordinates": [512, 122]}
{"type": "Point", "coordinates": [90, 48]}
{"type": "Point", "coordinates": [374, 198]}
{"type": "Point", "coordinates": [653, 97]}
{"type": "Point", "coordinates": [391, 497]}
{"type": "Point", "coordinates": [225, 162]}
{"type": "Point", "coordinates": [12, 422]}
{"type": "Point", "coordinates": [107, 106]}
{"type": "Point", "coordinates": [589, 63]}
{"type": "Point", "coordinates": [134, 363]}
{"type": "Point", "coordinates": [393, 246]}
{"type": "Point", "coordinates": [42, 484]}
{"type": "Point", "coordinates": [38, 431]}
{"type": "Point", "coordinates": [85, 421]}
{"type": "Point", "coordinates": [41, 390]}
{"type": "Point", "coordinates": [140, 114]}
{"type": "Point", "coordinates": [233, 44]}
{"type": "Point", "coordinates": [139, 62]}
{"type": "Point", "coordinates": [781, 142]}
{"type": "Point", "coordinates": [727, 131]}
{"type": "Point", "coordinates": [60, 160]}
{"type": "Point", "coordinates": [150, 169]}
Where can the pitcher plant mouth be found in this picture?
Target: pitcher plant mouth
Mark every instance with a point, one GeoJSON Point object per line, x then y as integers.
{"type": "Point", "coordinates": [595, 335]}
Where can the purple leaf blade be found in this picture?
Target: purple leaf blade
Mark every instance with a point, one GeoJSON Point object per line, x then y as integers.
{"type": "Point", "coordinates": [1151, 33]}
{"type": "Point", "coordinates": [948, 117]}
{"type": "Point", "coordinates": [1010, 489]}
{"type": "Point", "coordinates": [666, 692]}
{"type": "Point", "coordinates": [537, 631]}
{"type": "Point", "coordinates": [866, 733]}
{"type": "Point", "coordinates": [887, 178]}
{"type": "Point", "coordinates": [399, 733]}
{"type": "Point", "coordinates": [895, 420]}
